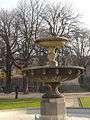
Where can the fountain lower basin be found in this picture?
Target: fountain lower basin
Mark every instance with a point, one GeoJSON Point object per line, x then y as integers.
{"type": "Point", "coordinates": [52, 73]}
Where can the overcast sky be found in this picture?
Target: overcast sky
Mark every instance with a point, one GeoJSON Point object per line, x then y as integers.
{"type": "Point", "coordinates": [81, 6]}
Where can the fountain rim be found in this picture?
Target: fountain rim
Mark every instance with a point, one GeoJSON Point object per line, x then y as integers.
{"type": "Point", "coordinates": [50, 67]}
{"type": "Point", "coordinates": [52, 39]}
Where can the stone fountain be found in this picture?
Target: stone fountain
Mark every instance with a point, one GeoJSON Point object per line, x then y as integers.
{"type": "Point", "coordinates": [53, 102]}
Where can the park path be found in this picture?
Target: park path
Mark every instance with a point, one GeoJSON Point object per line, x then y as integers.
{"type": "Point", "coordinates": [72, 99]}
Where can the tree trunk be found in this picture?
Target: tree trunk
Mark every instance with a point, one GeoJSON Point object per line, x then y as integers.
{"type": "Point", "coordinates": [25, 85]}
{"type": "Point", "coordinates": [8, 76]}
{"type": "Point", "coordinates": [8, 70]}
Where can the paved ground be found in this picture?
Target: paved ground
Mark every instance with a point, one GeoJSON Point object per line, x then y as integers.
{"type": "Point", "coordinates": [29, 114]}
{"type": "Point", "coordinates": [70, 98]}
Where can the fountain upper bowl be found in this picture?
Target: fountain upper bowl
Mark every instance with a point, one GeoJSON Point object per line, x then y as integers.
{"type": "Point", "coordinates": [52, 42]}
{"type": "Point", "coordinates": [52, 73]}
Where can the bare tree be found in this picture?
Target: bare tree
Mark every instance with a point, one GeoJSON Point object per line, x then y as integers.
{"type": "Point", "coordinates": [60, 19]}
{"type": "Point", "coordinates": [80, 45]}
{"type": "Point", "coordinates": [30, 24]}
{"type": "Point", "coordinates": [8, 34]}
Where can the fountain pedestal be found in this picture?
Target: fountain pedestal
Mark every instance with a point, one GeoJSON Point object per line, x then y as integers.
{"type": "Point", "coordinates": [53, 109]}
{"type": "Point", "coordinates": [53, 103]}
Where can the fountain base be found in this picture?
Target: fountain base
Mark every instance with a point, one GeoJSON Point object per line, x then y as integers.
{"type": "Point", "coordinates": [53, 109]}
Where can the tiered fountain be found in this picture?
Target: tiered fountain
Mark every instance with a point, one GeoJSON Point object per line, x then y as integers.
{"type": "Point", "coordinates": [53, 102]}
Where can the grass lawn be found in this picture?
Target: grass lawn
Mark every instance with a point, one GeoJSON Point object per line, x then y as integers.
{"type": "Point", "coordinates": [19, 103]}
{"type": "Point", "coordinates": [85, 101]}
